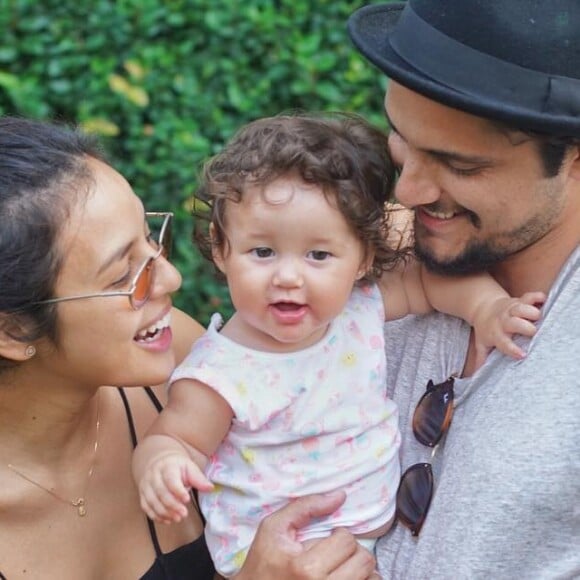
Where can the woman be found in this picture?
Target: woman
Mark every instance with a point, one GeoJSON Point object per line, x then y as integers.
{"type": "Point", "coordinates": [85, 302]}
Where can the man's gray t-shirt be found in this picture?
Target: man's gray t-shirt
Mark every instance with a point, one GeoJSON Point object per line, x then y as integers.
{"type": "Point", "coordinates": [507, 474]}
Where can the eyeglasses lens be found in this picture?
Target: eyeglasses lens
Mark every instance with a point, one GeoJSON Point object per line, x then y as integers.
{"type": "Point", "coordinates": [144, 279]}
{"type": "Point", "coordinates": [143, 285]}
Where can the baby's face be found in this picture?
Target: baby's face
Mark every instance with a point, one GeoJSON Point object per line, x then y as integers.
{"type": "Point", "coordinates": [291, 263]}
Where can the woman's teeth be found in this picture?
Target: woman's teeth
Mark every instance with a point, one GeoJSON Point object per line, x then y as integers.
{"type": "Point", "coordinates": [150, 333]}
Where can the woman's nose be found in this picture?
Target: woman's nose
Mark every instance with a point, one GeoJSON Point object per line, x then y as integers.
{"type": "Point", "coordinates": [167, 278]}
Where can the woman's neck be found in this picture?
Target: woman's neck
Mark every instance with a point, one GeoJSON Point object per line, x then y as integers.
{"type": "Point", "coordinates": [44, 422]}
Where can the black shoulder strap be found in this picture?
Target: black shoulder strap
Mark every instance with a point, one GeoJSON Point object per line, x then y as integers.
{"type": "Point", "coordinates": [133, 433]}
{"type": "Point", "coordinates": [153, 397]}
{"type": "Point", "coordinates": [129, 416]}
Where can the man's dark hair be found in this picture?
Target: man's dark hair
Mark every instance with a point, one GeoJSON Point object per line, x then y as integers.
{"type": "Point", "coordinates": [552, 149]}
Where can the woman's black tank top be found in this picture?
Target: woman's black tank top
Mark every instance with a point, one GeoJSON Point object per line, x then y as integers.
{"type": "Point", "coordinates": [191, 561]}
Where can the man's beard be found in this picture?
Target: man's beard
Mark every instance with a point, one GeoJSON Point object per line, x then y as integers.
{"type": "Point", "coordinates": [477, 257]}
{"type": "Point", "coordinates": [483, 255]}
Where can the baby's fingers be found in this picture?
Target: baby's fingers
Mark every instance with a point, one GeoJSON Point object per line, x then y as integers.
{"type": "Point", "coordinates": [165, 494]}
{"type": "Point", "coordinates": [515, 325]}
{"type": "Point", "coordinates": [194, 477]}
{"type": "Point", "coordinates": [525, 311]}
{"type": "Point", "coordinates": [508, 347]}
{"type": "Point", "coordinates": [512, 326]}
{"type": "Point", "coordinates": [161, 506]}
{"type": "Point", "coordinates": [534, 298]}
{"type": "Point", "coordinates": [173, 481]}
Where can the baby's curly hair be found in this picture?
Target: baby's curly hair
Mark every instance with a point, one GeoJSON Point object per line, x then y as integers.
{"type": "Point", "coordinates": [340, 153]}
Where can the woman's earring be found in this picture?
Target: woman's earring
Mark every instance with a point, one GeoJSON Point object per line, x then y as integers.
{"type": "Point", "coordinates": [30, 351]}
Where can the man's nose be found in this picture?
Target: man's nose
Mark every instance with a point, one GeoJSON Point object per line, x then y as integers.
{"type": "Point", "coordinates": [417, 183]}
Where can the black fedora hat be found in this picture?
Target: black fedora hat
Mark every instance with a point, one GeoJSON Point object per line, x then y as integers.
{"type": "Point", "coordinates": [514, 61]}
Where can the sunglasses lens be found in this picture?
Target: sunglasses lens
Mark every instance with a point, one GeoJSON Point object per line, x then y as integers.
{"type": "Point", "coordinates": [414, 496]}
{"type": "Point", "coordinates": [143, 285]}
{"type": "Point", "coordinates": [433, 413]}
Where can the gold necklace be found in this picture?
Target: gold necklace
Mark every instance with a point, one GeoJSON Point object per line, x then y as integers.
{"type": "Point", "coordinates": [80, 504]}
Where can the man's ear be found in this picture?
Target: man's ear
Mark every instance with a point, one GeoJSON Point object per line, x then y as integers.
{"type": "Point", "coordinates": [575, 163]}
{"type": "Point", "coordinates": [217, 250]}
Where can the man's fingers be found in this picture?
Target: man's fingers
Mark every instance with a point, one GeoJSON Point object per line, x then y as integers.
{"type": "Point", "coordinates": [299, 512]}
{"type": "Point", "coordinates": [326, 555]}
{"type": "Point", "coordinates": [338, 557]}
{"type": "Point", "coordinates": [360, 566]}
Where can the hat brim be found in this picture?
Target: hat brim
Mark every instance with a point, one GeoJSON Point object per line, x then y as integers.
{"type": "Point", "coordinates": [370, 29]}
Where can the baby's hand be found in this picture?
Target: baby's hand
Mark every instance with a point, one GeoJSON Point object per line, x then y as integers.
{"type": "Point", "coordinates": [496, 322]}
{"type": "Point", "coordinates": [164, 488]}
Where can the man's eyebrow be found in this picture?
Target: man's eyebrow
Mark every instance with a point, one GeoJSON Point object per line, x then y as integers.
{"type": "Point", "coordinates": [447, 156]}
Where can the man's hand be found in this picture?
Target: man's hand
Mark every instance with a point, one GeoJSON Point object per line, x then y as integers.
{"type": "Point", "coordinates": [277, 554]}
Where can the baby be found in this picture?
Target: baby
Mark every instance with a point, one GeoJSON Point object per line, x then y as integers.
{"type": "Point", "coordinates": [288, 397]}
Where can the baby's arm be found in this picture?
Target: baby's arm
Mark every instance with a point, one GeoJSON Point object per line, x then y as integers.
{"type": "Point", "coordinates": [477, 298]}
{"type": "Point", "coordinates": [171, 457]}
{"type": "Point", "coordinates": [485, 305]}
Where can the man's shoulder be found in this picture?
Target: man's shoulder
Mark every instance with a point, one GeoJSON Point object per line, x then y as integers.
{"type": "Point", "coordinates": [435, 323]}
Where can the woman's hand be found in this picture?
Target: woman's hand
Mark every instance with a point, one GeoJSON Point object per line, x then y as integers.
{"type": "Point", "coordinates": [277, 553]}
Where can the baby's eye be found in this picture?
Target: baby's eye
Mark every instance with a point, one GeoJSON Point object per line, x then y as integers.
{"type": "Point", "coordinates": [263, 252]}
{"type": "Point", "coordinates": [318, 255]}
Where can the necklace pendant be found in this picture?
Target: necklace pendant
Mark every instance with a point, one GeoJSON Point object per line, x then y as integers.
{"type": "Point", "coordinates": [80, 505]}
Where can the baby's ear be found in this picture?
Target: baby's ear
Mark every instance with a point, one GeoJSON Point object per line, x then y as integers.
{"type": "Point", "coordinates": [217, 250]}
{"type": "Point", "coordinates": [366, 263]}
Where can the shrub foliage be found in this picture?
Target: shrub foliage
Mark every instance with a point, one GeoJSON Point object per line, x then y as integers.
{"type": "Point", "coordinates": [166, 82]}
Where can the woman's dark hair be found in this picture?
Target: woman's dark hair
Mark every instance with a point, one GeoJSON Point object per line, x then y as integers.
{"type": "Point", "coordinates": [43, 173]}
{"type": "Point", "coordinates": [341, 153]}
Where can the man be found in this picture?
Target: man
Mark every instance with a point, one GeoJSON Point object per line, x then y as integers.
{"type": "Point", "coordinates": [484, 109]}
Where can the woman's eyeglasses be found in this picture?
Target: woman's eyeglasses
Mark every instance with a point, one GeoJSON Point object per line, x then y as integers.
{"type": "Point", "coordinates": [431, 421]}
{"type": "Point", "coordinates": [140, 288]}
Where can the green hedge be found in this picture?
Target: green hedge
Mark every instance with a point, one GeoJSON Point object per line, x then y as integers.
{"type": "Point", "coordinates": [166, 82]}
